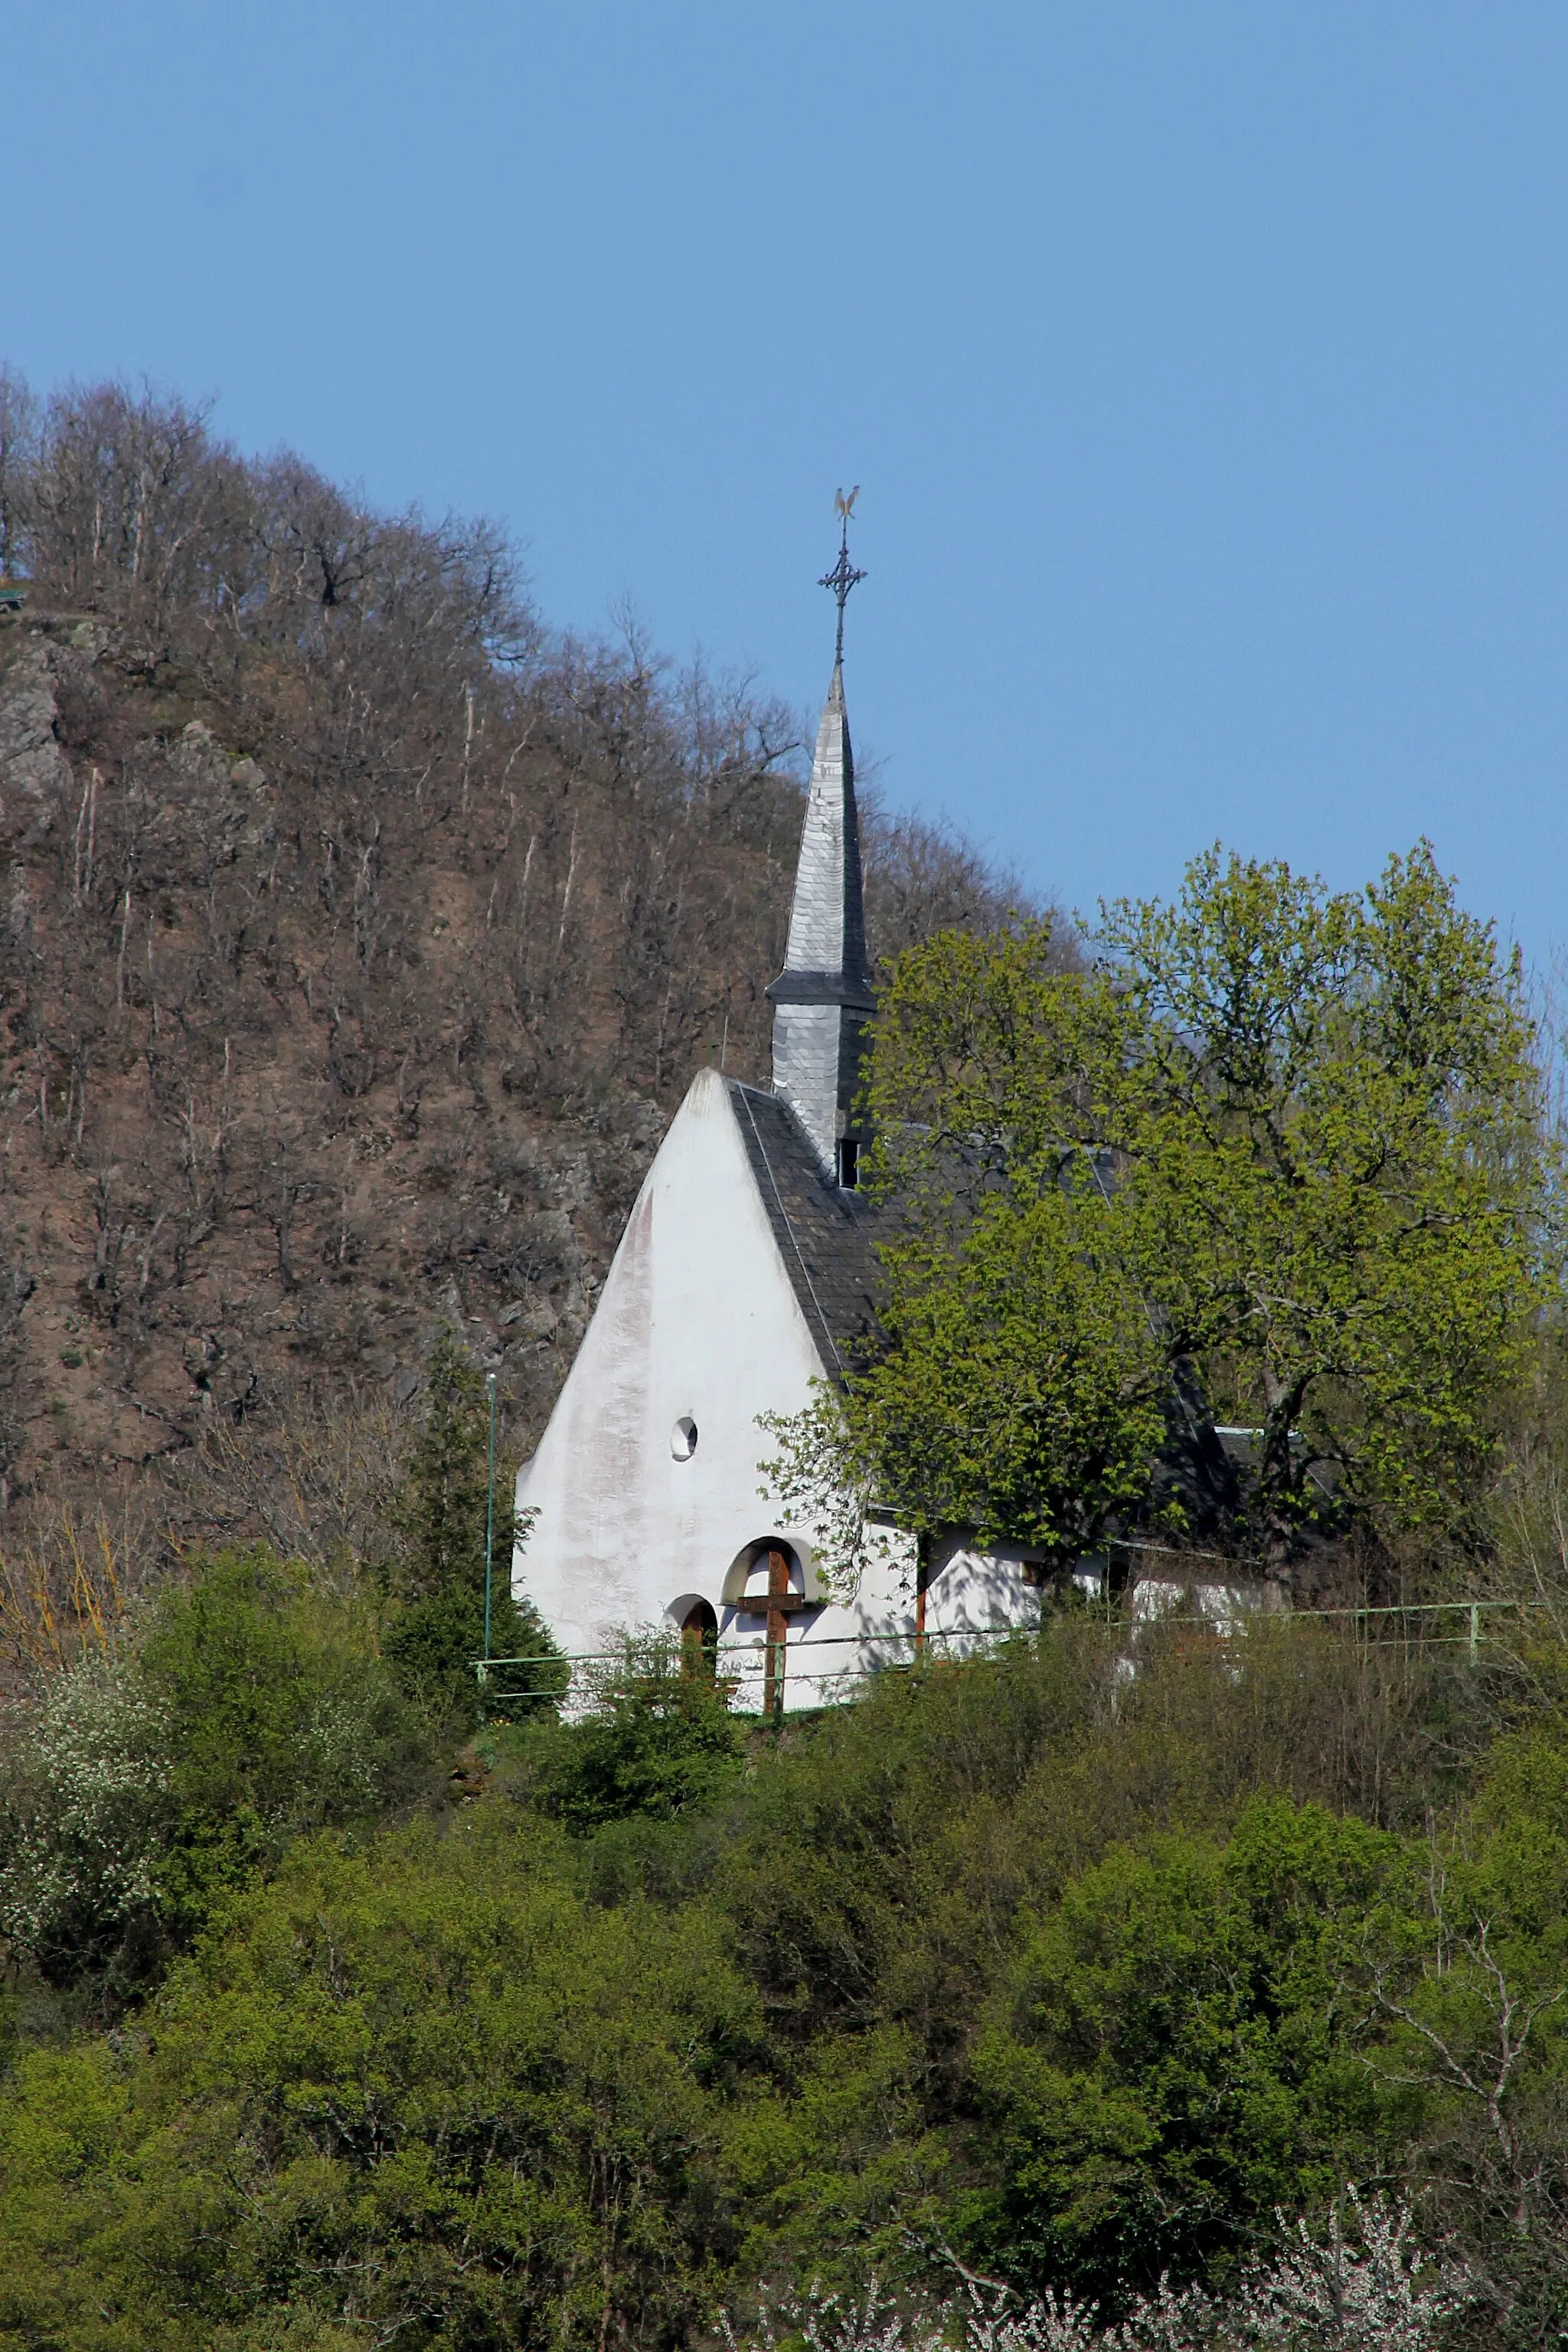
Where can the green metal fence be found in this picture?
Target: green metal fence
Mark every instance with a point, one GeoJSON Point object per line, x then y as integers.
{"type": "Point", "coordinates": [1442, 1624]}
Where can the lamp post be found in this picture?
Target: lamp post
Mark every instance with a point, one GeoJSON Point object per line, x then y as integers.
{"type": "Point", "coordinates": [489, 1519]}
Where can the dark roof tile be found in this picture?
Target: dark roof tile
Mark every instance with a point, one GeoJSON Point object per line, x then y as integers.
{"type": "Point", "coordinates": [824, 1235]}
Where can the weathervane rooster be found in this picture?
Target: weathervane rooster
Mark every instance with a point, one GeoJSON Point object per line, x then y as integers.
{"type": "Point", "coordinates": [844, 574]}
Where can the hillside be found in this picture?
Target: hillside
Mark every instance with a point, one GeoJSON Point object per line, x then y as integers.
{"type": "Point", "coordinates": [358, 937]}
{"type": "Point", "coordinates": [360, 934]}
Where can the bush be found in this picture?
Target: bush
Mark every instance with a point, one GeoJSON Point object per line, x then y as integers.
{"type": "Point", "coordinates": [87, 1817]}
{"type": "Point", "coordinates": [657, 1741]}
{"type": "Point", "coordinates": [1012, 1957]}
{"type": "Point", "coordinates": [428, 2092]}
{"type": "Point", "coordinates": [250, 1708]}
{"type": "Point", "coordinates": [1177, 2054]}
{"type": "Point", "coordinates": [430, 1646]}
{"type": "Point", "coordinates": [1373, 2290]}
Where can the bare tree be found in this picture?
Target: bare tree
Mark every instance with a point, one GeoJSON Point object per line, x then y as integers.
{"type": "Point", "coordinates": [357, 934]}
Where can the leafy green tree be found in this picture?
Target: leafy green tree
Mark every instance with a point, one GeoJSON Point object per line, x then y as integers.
{"type": "Point", "coordinates": [1332, 1134]}
{"type": "Point", "coordinates": [250, 1708]}
{"type": "Point", "coordinates": [425, 2095]}
{"type": "Point", "coordinates": [1179, 2058]}
{"type": "Point", "coordinates": [1290, 1138]}
{"type": "Point", "coordinates": [439, 1578]}
{"type": "Point", "coordinates": [1463, 1967]}
{"type": "Point", "coordinates": [282, 1719]}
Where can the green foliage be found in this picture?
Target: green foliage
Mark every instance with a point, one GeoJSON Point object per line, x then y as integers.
{"type": "Point", "coordinates": [1333, 1127]}
{"type": "Point", "coordinates": [270, 1688]}
{"type": "Point", "coordinates": [1081, 1976]}
{"type": "Point", "coordinates": [1290, 1138]}
{"type": "Point", "coordinates": [429, 2094]}
{"type": "Point", "coordinates": [442, 1516]}
{"type": "Point", "coordinates": [281, 1719]}
{"type": "Point", "coordinates": [431, 1644]}
{"type": "Point", "coordinates": [440, 1628]}
{"type": "Point", "coordinates": [251, 1708]}
{"type": "Point", "coordinates": [655, 1740]}
{"type": "Point", "coordinates": [1182, 2059]}
{"type": "Point", "coordinates": [1464, 1968]}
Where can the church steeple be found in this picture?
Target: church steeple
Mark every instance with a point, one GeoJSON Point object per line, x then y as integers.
{"type": "Point", "coordinates": [823, 998]}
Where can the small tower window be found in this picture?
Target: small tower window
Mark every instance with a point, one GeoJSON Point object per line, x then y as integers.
{"type": "Point", "coordinates": [683, 1438]}
{"type": "Point", "coordinates": [848, 1163]}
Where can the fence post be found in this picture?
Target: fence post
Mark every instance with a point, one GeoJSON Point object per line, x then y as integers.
{"type": "Point", "coordinates": [922, 1578]}
{"type": "Point", "coordinates": [1475, 1630]}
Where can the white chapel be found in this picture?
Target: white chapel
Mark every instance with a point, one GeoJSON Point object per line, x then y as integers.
{"type": "Point", "coordinates": [746, 1273]}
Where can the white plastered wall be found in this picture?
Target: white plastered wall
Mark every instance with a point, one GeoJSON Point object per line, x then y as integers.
{"type": "Point", "coordinates": [697, 1319]}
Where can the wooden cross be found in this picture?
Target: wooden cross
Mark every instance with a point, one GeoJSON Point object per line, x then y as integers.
{"type": "Point", "coordinates": [779, 1596]}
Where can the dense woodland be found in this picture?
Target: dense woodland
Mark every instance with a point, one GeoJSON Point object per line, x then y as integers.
{"type": "Point", "coordinates": [1151, 1985]}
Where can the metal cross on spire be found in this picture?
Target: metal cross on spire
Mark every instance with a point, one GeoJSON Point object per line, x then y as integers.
{"type": "Point", "coordinates": [844, 574]}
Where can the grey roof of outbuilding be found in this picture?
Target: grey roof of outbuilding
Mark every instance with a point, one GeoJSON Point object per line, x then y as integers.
{"type": "Point", "coordinates": [824, 1235]}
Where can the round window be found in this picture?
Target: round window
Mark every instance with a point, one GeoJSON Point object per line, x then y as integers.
{"type": "Point", "coordinates": [683, 1438]}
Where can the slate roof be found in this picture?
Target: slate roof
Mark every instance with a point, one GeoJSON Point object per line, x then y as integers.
{"type": "Point", "coordinates": [824, 1236]}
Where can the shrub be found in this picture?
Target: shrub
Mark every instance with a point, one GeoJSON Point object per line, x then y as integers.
{"type": "Point", "coordinates": [656, 1740]}
{"type": "Point", "coordinates": [249, 1708]}
{"type": "Point", "coordinates": [429, 2091]}
{"type": "Point", "coordinates": [86, 1815]}
{"type": "Point", "coordinates": [1372, 2290]}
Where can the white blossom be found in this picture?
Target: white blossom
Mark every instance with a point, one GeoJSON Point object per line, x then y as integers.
{"type": "Point", "coordinates": [1371, 2291]}
{"type": "Point", "coordinates": [1374, 2292]}
{"type": "Point", "coordinates": [85, 1808]}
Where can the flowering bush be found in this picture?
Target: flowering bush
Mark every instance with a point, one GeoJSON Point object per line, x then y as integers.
{"type": "Point", "coordinates": [1373, 2290]}
{"type": "Point", "coordinates": [249, 1709]}
{"type": "Point", "coordinates": [87, 1810]}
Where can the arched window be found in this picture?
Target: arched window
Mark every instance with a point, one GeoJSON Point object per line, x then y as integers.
{"type": "Point", "coordinates": [761, 1568]}
{"type": "Point", "coordinates": [772, 1580]}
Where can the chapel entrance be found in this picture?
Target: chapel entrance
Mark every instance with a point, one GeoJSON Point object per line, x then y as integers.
{"type": "Point", "coordinates": [698, 1641]}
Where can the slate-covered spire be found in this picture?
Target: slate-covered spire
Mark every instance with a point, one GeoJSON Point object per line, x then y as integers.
{"type": "Point", "coordinates": [823, 998]}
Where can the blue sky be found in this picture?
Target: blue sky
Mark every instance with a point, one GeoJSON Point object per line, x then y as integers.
{"type": "Point", "coordinates": [1202, 367]}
